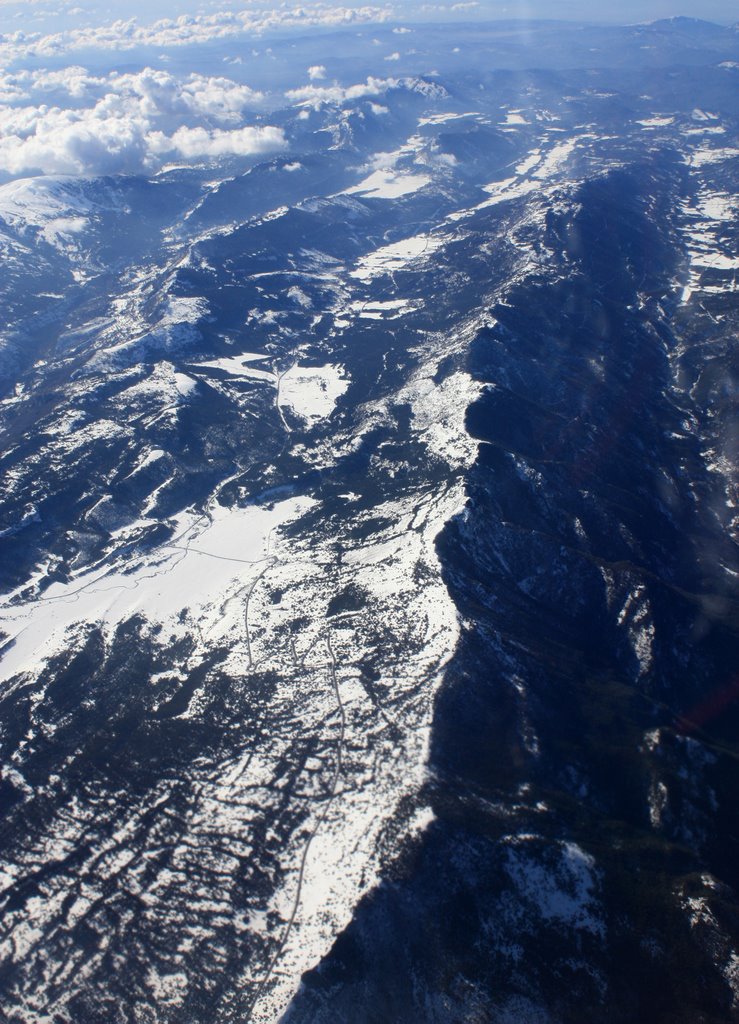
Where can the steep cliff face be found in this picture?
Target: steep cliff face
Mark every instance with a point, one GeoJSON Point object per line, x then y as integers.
{"type": "Point", "coordinates": [585, 872]}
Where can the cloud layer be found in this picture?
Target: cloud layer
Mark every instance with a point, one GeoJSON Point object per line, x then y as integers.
{"type": "Point", "coordinates": [316, 95]}
{"type": "Point", "coordinates": [72, 122]}
{"type": "Point", "coordinates": [185, 30]}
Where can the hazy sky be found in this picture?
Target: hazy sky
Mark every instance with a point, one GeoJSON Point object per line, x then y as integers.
{"type": "Point", "coordinates": [624, 11]}
{"type": "Point", "coordinates": [14, 14]}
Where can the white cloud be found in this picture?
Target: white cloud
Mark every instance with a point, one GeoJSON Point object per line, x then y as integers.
{"type": "Point", "coordinates": [393, 56]}
{"type": "Point", "coordinates": [69, 142]}
{"type": "Point", "coordinates": [154, 92]}
{"type": "Point", "coordinates": [218, 97]}
{"type": "Point", "coordinates": [315, 95]}
{"type": "Point", "coordinates": [316, 71]}
{"type": "Point", "coordinates": [75, 81]}
{"type": "Point", "coordinates": [196, 143]}
{"type": "Point", "coordinates": [186, 30]}
{"type": "Point", "coordinates": [69, 121]}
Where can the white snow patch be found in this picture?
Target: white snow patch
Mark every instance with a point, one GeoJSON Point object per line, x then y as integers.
{"type": "Point", "coordinates": [388, 184]}
{"type": "Point", "coordinates": [148, 458]}
{"type": "Point", "coordinates": [703, 156]}
{"type": "Point", "coordinates": [502, 191]}
{"type": "Point", "coordinates": [565, 892]}
{"type": "Point", "coordinates": [381, 310]}
{"type": "Point", "coordinates": [167, 989]}
{"type": "Point", "coordinates": [555, 159]}
{"type": "Point", "coordinates": [54, 206]}
{"type": "Point", "coordinates": [208, 559]}
{"type": "Point", "coordinates": [311, 392]}
{"type": "Point", "coordinates": [731, 973]}
{"type": "Point", "coordinates": [183, 309]}
{"type": "Point", "coordinates": [164, 382]}
{"type": "Point", "coordinates": [714, 260]}
{"type": "Point", "coordinates": [439, 412]}
{"type": "Point", "coordinates": [299, 296]}
{"type": "Point", "coordinates": [443, 118]}
{"type": "Point", "coordinates": [529, 163]}
{"type": "Point", "coordinates": [396, 256]}
{"type": "Point", "coordinates": [514, 117]}
{"type": "Point", "coordinates": [499, 186]}
{"type": "Point", "coordinates": [635, 617]}
{"type": "Point", "coordinates": [236, 366]}
{"type": "Point", "coordinates": [658, 121]}
{"type": "Point", "coordinates": [717, 206]}
{"type": "Point", "coordinates": [184, 384]}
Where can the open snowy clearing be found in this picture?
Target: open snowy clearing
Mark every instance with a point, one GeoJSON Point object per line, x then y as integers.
{"type": "Point", "coordinates": [193, 571]}
{"type": "Point", "coordinates": [388, 184]}
{"type": "Point", "coordinates": [395, 256]}
{"type": "Point", "coordinates": [311, 392]}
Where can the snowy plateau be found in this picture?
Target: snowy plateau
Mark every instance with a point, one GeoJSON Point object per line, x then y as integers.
{"type": "Point", "coordinates": [368, 542]}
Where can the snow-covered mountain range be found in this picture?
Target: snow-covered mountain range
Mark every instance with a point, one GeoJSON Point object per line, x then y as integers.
{"type": "Point", "coordinates": [368, 543]}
